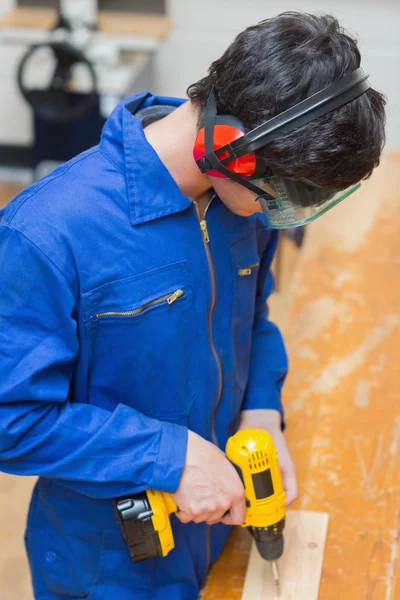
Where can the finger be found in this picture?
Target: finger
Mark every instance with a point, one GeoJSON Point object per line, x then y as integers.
{"type": "Point", "coordinates": [291, 496]}
{"type": "Point", "coordinates": [213, 512]}
{"type": "Point", "coordinates": [290, 485]}
{"type": "Point", "coordinates": [214, 521]}
{"type": "Point", "coordinates": [199, 519]}
{"type": "Point", "coordinates": [216, 517]}
{"type": "Point", "coordinates": [183, 517]}
{"type": "Point", "coordinates": [227, 520]}
{"type": "Point", "coordinates": [237, 514]}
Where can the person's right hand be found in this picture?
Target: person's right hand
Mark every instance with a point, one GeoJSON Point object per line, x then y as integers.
{"type": "Point", "coordinates": [209, 486]}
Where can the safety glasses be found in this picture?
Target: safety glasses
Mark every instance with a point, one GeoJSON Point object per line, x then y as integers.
{"type": "Point", "coordinates": [286, 203]}
{"type": "Point", "coordinates": [292, 203]}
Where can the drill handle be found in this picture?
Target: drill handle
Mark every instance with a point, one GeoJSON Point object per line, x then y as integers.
{"type": "Point", "coordinates": [170, 503]}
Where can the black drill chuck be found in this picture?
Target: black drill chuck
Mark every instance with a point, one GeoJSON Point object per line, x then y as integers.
{"type": "Point", "coordinates": [269, 540]}
{"type": "Point", "coordinates": [271, 550]}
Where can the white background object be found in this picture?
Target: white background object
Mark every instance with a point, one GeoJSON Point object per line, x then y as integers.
{"type": "Point", "coordinates": [203, 30]}
{"type": "Point", "coordinates": [80, 11]}
{"type": "Point", "coordinates": [116, 78]}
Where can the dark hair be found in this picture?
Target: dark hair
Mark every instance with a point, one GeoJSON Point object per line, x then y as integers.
{"type": "Point", "coordinates": [279, 62]}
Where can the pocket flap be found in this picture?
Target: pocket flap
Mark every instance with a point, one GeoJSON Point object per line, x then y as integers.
{"type": "Point", "coordinates": [245, 256]}
{"type": "Point", "coordinates": [132, 292]}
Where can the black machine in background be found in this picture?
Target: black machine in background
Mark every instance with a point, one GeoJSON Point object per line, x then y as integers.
{"type": "Point", "coordinates": [65, 122]}
{"type": "Point", "coordinates": [74, 75]}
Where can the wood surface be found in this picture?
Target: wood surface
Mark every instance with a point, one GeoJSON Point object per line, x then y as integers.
{"type": "Point", "coordinates": [115, 23]}
{"type": "Point", "coordinates": [342, 396]}
{"type": "Point", "coordinates": [299, 567]}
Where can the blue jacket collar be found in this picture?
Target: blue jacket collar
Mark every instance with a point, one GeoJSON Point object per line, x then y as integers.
{"type": "Point", "coordinates": [152, 192]}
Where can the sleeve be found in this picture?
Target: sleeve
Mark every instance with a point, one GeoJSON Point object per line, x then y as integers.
{"type": "Point", "coordinates": [96, 452]}
{"type": "Point", "coordinates": [268, 362]}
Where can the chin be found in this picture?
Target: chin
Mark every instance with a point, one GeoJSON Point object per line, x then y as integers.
{"type": "Point", "coordinates": [244, 213]}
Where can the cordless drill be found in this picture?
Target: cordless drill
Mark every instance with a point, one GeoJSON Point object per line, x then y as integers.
{"type": "Point", "coordinates": [144, 517]}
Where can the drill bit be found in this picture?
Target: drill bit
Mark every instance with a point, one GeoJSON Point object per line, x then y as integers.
{"type": "Point", "coordinates": [275, 574]}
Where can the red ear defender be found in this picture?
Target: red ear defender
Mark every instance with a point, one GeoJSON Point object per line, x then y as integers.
{"type": "Point", "coordinates": [227, 128]}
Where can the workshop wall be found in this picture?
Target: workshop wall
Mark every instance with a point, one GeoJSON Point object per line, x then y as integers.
{"type": "Point", "coordinates": [15, 116]}
{"type": "Point", "coordinates": [203, 30]}
{"type": "Point", "coordinates": [5, 5]}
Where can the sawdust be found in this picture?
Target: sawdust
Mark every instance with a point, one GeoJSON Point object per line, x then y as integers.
{"type": "Point", "coordinates": [362, 393]}
{"type": "Point", "coordinates": [338, 369]}
{"type": "Point", "coordinates": [315, 317]}
{"type": "Point", "coordinates": [348, 225]}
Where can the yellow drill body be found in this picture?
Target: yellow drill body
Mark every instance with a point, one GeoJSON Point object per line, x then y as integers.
{"type": "Point", "coordinates": [253, 453]}
{"type": "Point", "coordinates": [163, 506]}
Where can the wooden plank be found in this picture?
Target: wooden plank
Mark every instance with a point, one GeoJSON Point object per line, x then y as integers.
{"type": "Point", "coordinates": [300, 566]}
{"type": "Point", "coordinates": [109, 22]}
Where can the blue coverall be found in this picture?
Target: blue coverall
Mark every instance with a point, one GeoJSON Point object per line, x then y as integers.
{"type": "Point", "coordinates": [124, 323]}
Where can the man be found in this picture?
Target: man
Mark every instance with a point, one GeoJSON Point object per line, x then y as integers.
{"type": "Point", "coordinates": [134, 336]}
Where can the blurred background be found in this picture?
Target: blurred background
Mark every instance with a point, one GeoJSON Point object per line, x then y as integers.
{"type": "Point", "coordinates": [166, 52]}
{"type": "Point", "coordinates": [65, 64]}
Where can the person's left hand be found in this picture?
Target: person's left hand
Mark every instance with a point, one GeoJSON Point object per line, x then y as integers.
{"type": "Point", "coordinates": [271, 421]}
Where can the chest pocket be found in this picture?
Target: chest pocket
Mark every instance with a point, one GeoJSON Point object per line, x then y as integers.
{"type": "Point", "coordinates": [246, 262]}
{"type": "Point", "coordinates": [141, 332]}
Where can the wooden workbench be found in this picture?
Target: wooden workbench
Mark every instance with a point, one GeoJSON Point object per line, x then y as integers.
{"type": "Point", "coordinates": [114, 23]}
{"type": "Point", "coordinates": [343, 394]}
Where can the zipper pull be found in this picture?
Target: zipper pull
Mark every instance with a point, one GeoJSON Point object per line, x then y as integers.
{"type": "Point", "coordinates": [248, 270]}
{"type": "Point", "coordinates": [175, 296]}
{"type": "Point", "coordinates": [204, 229]}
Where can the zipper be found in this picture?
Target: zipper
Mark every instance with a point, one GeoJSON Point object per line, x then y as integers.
{"type": "Point", "coordinates": [204, 230]}
{"type": "Point", "coordinates": [248, 270]}
{"type": "Point", "coordinates": [169, 298]}
{"type": "Point", "coordinates": [206, 241]}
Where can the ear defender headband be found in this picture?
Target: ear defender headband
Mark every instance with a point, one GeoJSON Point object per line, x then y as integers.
{"type": "Point", "coordinates": [223, 149]}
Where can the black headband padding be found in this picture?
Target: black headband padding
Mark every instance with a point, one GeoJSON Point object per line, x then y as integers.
{"type": "Point", "coordinates": [339, 93]}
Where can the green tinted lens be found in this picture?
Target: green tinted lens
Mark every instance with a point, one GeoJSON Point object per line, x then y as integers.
{"type": "Point", "coordinates": [299, 202]}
